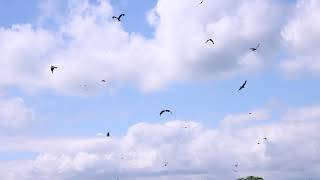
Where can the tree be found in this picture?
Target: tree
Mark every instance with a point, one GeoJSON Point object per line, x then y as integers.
{"type": "Point", "coordinates": [251, 178]}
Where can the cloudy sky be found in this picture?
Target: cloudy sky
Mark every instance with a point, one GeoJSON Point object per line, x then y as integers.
{"type": "Point", "coordinates": [53, 126]}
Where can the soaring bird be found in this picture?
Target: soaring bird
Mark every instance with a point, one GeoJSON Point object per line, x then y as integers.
{"type": "Point", "coordinates": [242, 86]}
{"type": "Point", "coordinates": [118, 18]}
{"type": "Point", "coordinates": [108, 134]}
{"type": "Point", "coordinates": [53, 68]}
{"type": "Point", "coordinates": [249, 113]}
{"type": "Point", "coordinates": [103, 80]}
{"type": "Point", "coordinates": [236, 165]}
{"type": "Point", "coordinates": [256, 48]}
{"type": "Point", "coordinates": [166, 110]}
{"type": "Point", "coordinates": [210, 40]}
{"type": "Point", "coordinates": [201, 2]}
{"type": "Point", "coordinates": [265, 138]}
{"type": "Point", "coordinates": [258, 143]}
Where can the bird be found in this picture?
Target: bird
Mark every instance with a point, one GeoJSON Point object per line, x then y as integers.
{"type": "Point", "coordinates": [201, 2]}
{"type": "Point", "coordinates": [118, 18]}
{"type": "Point", "coordinates": [250, 113]}
{"type": "Point", "coordinates": [258, 143]}
{"type": "Point", "coordinates": [242, 86]}
{"type": "Point", "coordinates": [210, 40]}
{"type": "Point", "coordinates": [53, 68]}
{"type": "Point", "coordinates": [165, 164]}
{"type": "Point", "coordinates": [166, 110]}
{"type": "Point", "coordinates": [265, 138]}
{"type": "Point", "coordinates": [108, 134]}
{"type": "Point", "coordinates": [103, 80]}
{"type": "Point", "coordinates": [236, 165]}
{"type": "Point", "coordinates": [256, 48]}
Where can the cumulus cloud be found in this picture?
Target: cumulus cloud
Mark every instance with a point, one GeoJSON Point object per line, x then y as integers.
{"type": "Point", "coordinates": [302, 37]}
{"type": "Point", "coordinates": [291, 152]}
{"type": "Point", "coordinates": [14, 113]}
{"type": "Point", "coordinates": [89, 46]}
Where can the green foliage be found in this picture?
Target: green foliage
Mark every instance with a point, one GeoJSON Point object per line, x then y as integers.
{"type": "Point", "coordinates": [251, 178]}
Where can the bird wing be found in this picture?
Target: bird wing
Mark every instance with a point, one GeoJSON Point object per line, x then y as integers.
{"type": "Point", "coordinates": [114, 17]}
{"type": "Point", "coordinates": [121, 15]}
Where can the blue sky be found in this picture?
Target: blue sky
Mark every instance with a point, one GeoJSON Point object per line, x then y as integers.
{"type": "Point", "coordinates": [280, 76]}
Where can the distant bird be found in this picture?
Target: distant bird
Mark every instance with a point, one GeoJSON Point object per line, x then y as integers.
{"type": "Point", "coordinates": [163, 111]}
{"type": "Point", "coordinates": [118, 18]}
{"type": "Point", "coordinates": [108, 134]}
{"type": "Point", "coordinates": [201, 2]}
{"type": "Point", "coordinates": [53, 68]}
{"type": "Point", "coordinates": [258, 143]}
{"type": "Point", "coordinates": [210, 40]}
{"type": "Point", "coordinates": [265, 138]}
{"type": "Point", "coordinates": [165, 164]}
{"type": "Point", "coordinates": [236, 165]}
{"type": "Point", "coordinates": [103, 80]}
{"type": "Point", "coordinates": [250, 113]}
{"type": "Point", "coordinates": [256, 48]}
{"type": "Point", "coordinates": [242, 86]}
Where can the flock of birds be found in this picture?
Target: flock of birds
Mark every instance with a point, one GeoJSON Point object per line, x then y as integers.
{"type": "Point", "coordinates": [165, 164]}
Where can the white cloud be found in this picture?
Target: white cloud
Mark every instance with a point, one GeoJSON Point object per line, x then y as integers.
{"type": "Point", "coordinates": [89, 46]}
{"type": "Point", "coordinates": [14, 113]}
{"type": "Point", "coordinates": [291, 152]}
{"type": "Point", "coordinates": [302, 37]}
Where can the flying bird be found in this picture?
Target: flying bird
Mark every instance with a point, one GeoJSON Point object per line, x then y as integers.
{"type": "Point", "coordinates": [250, 113]}
{"type": "Point", "coordinates": [118, 18]}
{"type": "Point", "coordinates": [201, 2]}
{"type": "Point", "coordinates": [103, 80]}
{"type": "Point", "coordinates": [256, 48]}
{"type": "Point", "coordinates": [53, 68]}
{"type": "Point", "coordinates": [242, 86]}
{"type": "Point", "coordinates": [108, 134]}
{"type": "Point", "coordinates": [236, 165]}
{"type": "Point", "coordinates": [258, 143]}
{"type": "Point", "coordinates": [210, 40]}
{"type": "Point", "coordinates": [165, 164]}
{"type": "Point", "coordinates": [265, 138]}
{"type": "Point", "coordinates": [163, 111]}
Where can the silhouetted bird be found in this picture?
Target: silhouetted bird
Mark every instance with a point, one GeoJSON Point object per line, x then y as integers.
{"type": "Point", "coordinates": [201, 2]}
{"type": "Point", "coordinates": [242, 86]}
{"type": "Point", "coordinates": [236, 165]}
{"type": "Point", "coordinates": [53, 68]}
{"type": "Point", "coordinates": [258, 143]}
{"type": "Point", "coordinates": [265, 138]}
{"type": "Point", "coordinates": [256, 48]}
{"type": "Point", "coordinates": [103, 80]}
{"type": "Point", "coordinates": [108, 134]}
{"type": "Point", "coordinates": [250, 113]}
{"type": "Point", "coordinates": [210, 40]}
{"type": "Point", "coordinates": [163, 111]}
{"type": "Point", "coordinates": [118, 18]}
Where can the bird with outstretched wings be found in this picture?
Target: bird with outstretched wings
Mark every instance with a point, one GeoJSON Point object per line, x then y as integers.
{"type": "Point", "coordinates": [119, 17]}
{"type": "Point", "coordinates": [243, 86]}
{"type": "Point", "coordinates": [165, 111]}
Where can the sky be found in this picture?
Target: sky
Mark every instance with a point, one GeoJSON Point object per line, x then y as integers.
{"type": "Point", "coordinates": [54, 125]}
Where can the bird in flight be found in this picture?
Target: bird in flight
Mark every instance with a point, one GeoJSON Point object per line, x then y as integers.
{"type": "Point", "coordinates": [103, 80]}
{"type": "Point", "coordinates": [265, 138]}
{"type": "Point", "coordinates": [236, 165]}
{"type": "Point", "coordinates": [250, 113]}
{"type": "Point", "coordinates": [201, 2]}
{"type": "Point", "coordinates": [242, 86]}
{"type": "Point", "coordinates": [53, 68]}
{"type": "Point", "coordinates": [118, 18]}
{"type": "Point", "coordinates": [165, 164]}
{"type": "Point", "coordinates": [210, 40]}
{"type": "Point", "coordinates": [166, 110]}
{"type": "Point", "coordinates": [108, 134]}
{"type": "Point", "coordinates": [258, 143]}
{"type": "Point", "coordinates": [256, 48]}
